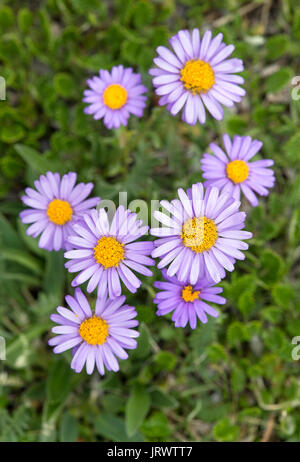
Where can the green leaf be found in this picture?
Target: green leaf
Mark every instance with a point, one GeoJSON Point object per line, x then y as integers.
{"type": "Point", "coordinates": [236, 333]}
{"type": "Point", "coordinates": [130, 50]}
{"type": "Point", "coordinates": [156, 427]}
{"type": "Point", "coordinates": [45, 27]}
{"type": "Point", "coordinates": [68, 430]}
{"type": "Point", "coordinates": [59, 381]}
{"type": "Point", "coordinates": [8, 236]}
{"type": "Point", "coordinates": [23, 258]}
{"type": "Point", "coordinates": [137, 408]}
{"type": "Point", "coordinates": [274, 339]}
{"type": "Point", "coordinates": [6, 18]}
{"type": "Point", "coordinates": [26, 279]}
{"type": "Point", "coordinates": [113, 429]}
{"type": "Point", "coordinates": [238, 379]}
{"type": "Point", "coordinates": [246, 302]}
{"type": "Point", "coordinates": [272, 314]}
{"type": "Point", "coordinates": [240, 285]}
{"type": "Point", "coordinates": [278, 80]}
{"type": "Point", "coordinates": [292, 147]}
{"type": "Point", "coordinates": [224, 430]}
{"type": "Point", "coordinates": [25, 19]}
{"type": "Point", "coordinates": [143, 348]}
{"type": "Point", "coordinates": [12, 133]}
{"type": "Point", "coordinates": [35, 160]}
{"type": "Point", "coordinates": [161, 399]}
{"type": "Point", "coordinates": [64, 85]}
{"type": "Point", "coordinates": [165, 361]}
{"type": "Point", "coordinates": [55, 273]}
{"type": "Point", "coordinates": [217, 353]}
{"type": "Point", "coordinates": [296, 24]}
{"type": "Point", "coordinates": [11, 165]}
{"type": "Point", "coordinates": [272, 266]}
{"type": "Point", "coordinates": [276, 46]}
{"type": "Point", "coordinates": [283, 295]}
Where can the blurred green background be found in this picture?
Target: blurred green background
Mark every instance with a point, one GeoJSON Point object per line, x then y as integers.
{"type": "Point", "coordinates": [233, 379]}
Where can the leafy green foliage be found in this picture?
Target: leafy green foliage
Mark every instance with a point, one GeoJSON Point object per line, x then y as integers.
{"type": "Point", "coordinates": [137, 407]}
{"type": "Point", "coordinates": [228, 379]}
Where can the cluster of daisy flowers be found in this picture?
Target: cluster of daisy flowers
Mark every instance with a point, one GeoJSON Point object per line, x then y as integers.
{"type": "Point", "coordinates": [103, 253]}
{"type": "Point", "coordinates": [202, 233]}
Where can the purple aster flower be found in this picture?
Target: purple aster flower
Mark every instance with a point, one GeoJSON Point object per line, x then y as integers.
{"type": "Point", "coordinates": [232, 172]}
{"type": "Point", "coordinates": [197, 74]}
{"type": "Point", "coordinates": [115, 95]}
{"type": "Point", "coordinates": [106, 253]}
{"type": "Point", "coordinates": [186, 300]}
{"type": "Point", "coordinates": [96, 338]}
{"type": "Point", "coordinates": [202, 235]}
{"type": "Point", "coordinates": [56, 205]}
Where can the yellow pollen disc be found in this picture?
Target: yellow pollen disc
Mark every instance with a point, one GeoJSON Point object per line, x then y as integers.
{"type": "Point", "coordinates": [115, 96]}
{"type": "Point", "coordinates": [108, 252]}
{"type": "Point", "coordinates": [197, 76]}
{"type": "Point", "coordinates": [94, 330]}
{"type": "Point", "coordinates": [199, 234]}
{"type": "Point", "coordinates": [188, 295]}
{"type": "Point", "coordinates": [237, 171]}
{"type": "Point", "coordinates": [59, 212]}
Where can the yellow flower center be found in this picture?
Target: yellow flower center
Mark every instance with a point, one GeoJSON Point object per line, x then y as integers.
{"type": "Point", "coordinates": [188, 295]}
{"type": "Point", "coordinates": [59, 212]}
{"type": "Point", "coordinates": [237, 171]}
{"type": "Point", "coordinates": [109, 252]}
{"type": "Point", "coordinates": [94, 330]}
{"type": "Point", "coordinates": [115, 96]}
{"type": "Point", "coordinates": [199, 234]}
{"type": "Point", "coordinates": [197, 76]}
